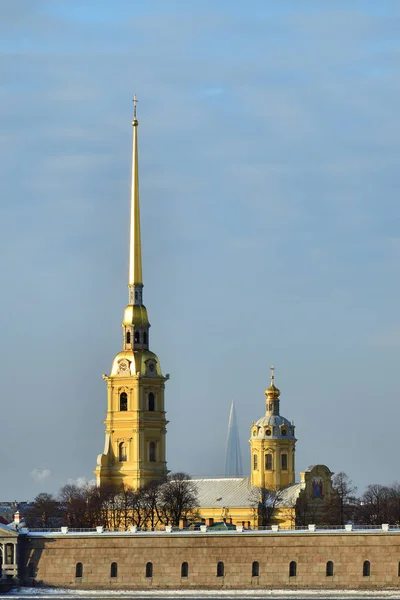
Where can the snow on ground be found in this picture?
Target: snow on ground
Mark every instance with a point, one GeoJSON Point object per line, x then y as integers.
{"type": "Point", "coordinates": [55, 593]}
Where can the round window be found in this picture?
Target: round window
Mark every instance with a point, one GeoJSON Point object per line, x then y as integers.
{"type": "Point", "coordinates": [268, 432]}
{"type": "Point", "coordinates": [283, 431]}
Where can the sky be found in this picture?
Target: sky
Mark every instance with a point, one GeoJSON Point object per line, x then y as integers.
{"type": "Point", "coordinates": [269, 151]}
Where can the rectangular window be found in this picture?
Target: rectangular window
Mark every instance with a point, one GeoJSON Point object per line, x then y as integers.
{"type": "Point", "coordinates": [284, 462]}
{"type": "Point", "coordinates": [268, 462]}
{"type": "Point", "coordinates": [255, 462]}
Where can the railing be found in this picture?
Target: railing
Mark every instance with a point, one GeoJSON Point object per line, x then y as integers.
{"type": "Point", "coordinates": [269, 529]}
{"type": "Point", "coordinates": [59, 529]}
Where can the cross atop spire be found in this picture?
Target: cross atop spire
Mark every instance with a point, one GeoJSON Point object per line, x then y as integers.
{"type": "Point", "coordinates": [272, 374]}
{"type": "Point", "coordinates": [135, 101]}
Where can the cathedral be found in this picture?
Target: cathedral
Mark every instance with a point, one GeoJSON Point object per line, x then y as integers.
{"type": "Point", "coordinates": [135, 425]}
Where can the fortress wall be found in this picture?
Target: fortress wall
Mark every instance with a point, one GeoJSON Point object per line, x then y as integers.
{"type": "Point", "coordinates": [54, 560]}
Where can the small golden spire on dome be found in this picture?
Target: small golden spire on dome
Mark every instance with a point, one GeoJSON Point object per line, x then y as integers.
{"type": "Point", "coordinates": [272, 391]}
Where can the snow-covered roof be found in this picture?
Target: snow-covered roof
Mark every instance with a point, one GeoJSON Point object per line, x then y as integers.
{"type": "Point", "coordinates": [7, 531]}
{"type": "Point", "coordinates": [238, 492]}
{"type": "Point", "coordinates": [288, 495]}
{"type": "Point", "coordinates": [228, 492]}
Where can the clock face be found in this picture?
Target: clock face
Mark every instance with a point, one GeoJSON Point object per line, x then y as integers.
{"type": "Point", "coordinates": [123, 367]}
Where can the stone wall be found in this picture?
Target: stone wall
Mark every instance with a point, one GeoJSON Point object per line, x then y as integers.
{"type": "Point", "coordinates": [52, 559]}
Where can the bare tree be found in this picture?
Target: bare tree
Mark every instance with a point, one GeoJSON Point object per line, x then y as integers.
{"type": "Point", "coordinates": [177, 498]}
{"type": "Point", "coordinates": [264, 501]}
{"type": "Point", "coordinates": [73, 505]}
{"type": "Point", "coordinates": [374, 505]}
{"type": "Point", "coordinates": [45, 512]}
{"type": "Point", "coordinates": [150, 505]}
{"type": "Point", "coordinates": [342, 505]}
{"type": "Point", "coordinates": [394, 503]}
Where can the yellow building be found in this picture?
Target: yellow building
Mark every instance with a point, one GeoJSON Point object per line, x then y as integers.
{"type": "Point", "coordinates": [270, 496]}
{"type": "Point", "coordinates": [272, 445]}
{"type": "Point", "coordinates": [134, 452]}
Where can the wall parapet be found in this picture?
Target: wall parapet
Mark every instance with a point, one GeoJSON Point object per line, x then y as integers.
{"type": "Point", "coordinates": [348, 529]}
{"type": "Point", "coordinates": [363, 558]}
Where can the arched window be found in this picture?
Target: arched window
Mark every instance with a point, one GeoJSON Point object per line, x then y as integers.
{"type": "Point", "coordinates": [292, 569]}
{"type": "Point", "coordinates": [152, 452]}
{"type": "Point", "coordinates": [144, 337]}
{"type": "Point", "coordinates": [284, 462]}
{"type": "Point", "coordinates": [220, 569]}
{"type": "Point", "coordinates": [137, 337]}
{"type": "Point", "coordinates": [255, 462]}
{"type": "Point", "coordinates": [268, 462]}
{"type": "Point", "coordinates": [31, 570]}
{"type": "Point", "coordinates": [122, 452]}
{"type": "Point", "coordinates": [184, 569]}
{"type": "Point", "coordinates": [255, 569]}
{"type": "Point", "coordinates": [366, 568]}
{"type": "Point", "coordinates": [79, 570]}
{"type": "Point", "coordinates": [149, 570]}
{"type": "Point", "coordinates": [151, 398]}
{"type": "Point", "coordinates": [123, 401]}
{"type": "Point", "coordinates": [329, 568]}
{"type": "Point", "coordinates": [114, 569]}
{"type": "Point", "coordinates": [128, 337]}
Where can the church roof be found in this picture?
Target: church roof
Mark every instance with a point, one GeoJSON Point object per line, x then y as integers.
{"type": "Point", "coordinates": [288, 495]}
{"type": "Point", "coordinates": [238, 492]}
{"type": "Point", "coordinates": [228, 492]}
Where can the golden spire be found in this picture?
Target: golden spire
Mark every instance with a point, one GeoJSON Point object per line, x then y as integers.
{"type": "Point", "coordinates": [272, 374]}
{"type": "Point", "coordinates": [135, 250]}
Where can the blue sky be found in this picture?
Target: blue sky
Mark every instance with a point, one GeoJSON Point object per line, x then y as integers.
{"type": "Point", "coordinates": [269, 152]}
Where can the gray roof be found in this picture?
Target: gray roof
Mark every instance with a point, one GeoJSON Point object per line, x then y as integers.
{"type": "Point", "coordinates": [238, 492]}
{"type": "Point", "coordinates": [276, 422]}
{"type": "Point", "coordinates": [289, 495]}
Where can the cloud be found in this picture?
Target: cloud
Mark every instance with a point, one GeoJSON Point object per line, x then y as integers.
{"type": "Point", "coordinates": [81, 482]}
{"type": "Point", "coordinates": [39, 474]}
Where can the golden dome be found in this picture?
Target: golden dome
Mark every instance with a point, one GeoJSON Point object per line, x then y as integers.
{"type": "Point", "coordinates": [272, 392]}
{"type": "Point", "coordinates": [135, 315]}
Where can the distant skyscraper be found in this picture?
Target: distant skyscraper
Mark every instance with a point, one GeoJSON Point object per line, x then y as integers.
{"type": "Point", "coordinates": [233, 458]}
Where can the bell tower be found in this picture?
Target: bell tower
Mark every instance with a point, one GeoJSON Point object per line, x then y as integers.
{"type": "Point", "coordinates": [134, 452]}
{"type": "Point", "coordinates": [272, 445]}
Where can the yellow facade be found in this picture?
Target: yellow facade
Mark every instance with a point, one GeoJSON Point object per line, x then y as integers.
{"type": "Point", "coordinates": [272, 446]}
{"type": "Point", "coordinates": [134, 452]}
{"type": "Point", "coordinates": [285, 517]}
